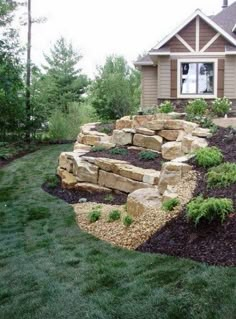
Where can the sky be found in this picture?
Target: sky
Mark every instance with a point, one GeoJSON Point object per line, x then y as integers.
{"type": "Point", "coordinates": [98, 28]}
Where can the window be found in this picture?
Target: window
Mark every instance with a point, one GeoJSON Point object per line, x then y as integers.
{"type": "Point", "coordinates": [197, 78]}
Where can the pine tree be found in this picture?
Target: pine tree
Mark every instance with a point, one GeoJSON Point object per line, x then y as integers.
{"type": "Point", "coordinates": [64, 75]}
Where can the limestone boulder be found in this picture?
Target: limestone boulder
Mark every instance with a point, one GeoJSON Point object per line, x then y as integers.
{"type": "Point", "coordinates": [129, 171]}
{"type": "Point", "coordinates": [198, 143]}
{"type": "Point", "coordinates": [92, 188]}
{"type": "Point", "coordinates": [171, 174]}
{"type": "Point", "coordinates": [79, 147]}
{"type": "Point", "coordinates": [108, 164]}
{"type": "Point", "coordinates": [150, 142]}
{"type": "Point", "coordinates": [181, 136]}
{"type": "Point", "coordinates": [148, 176]}
{"type": "Point", "coordinates": [156, 125]}
{"type": "Point", "coordinates": [174, 124]}
{"type": "Point", "coordinates": [85, 171]}
{"type": "Point", "coordinates": [91, 140]}
{"type": "Point", "coordinates": [189, 127]}
{"type": "Point", "coordinates": [151, 176]}
{"type": "Point", "coordinates": [141, 200]}
{"type": "Point", "coordinates": [68, 180]}
{"type": "Point", "coordinates": [120, 137]}
{"type": "Point", "coordinates": [187, 143]}
{"type": "Point", "coordinates": [169, 135]}
{"type": "Point", "coordinates": [168, 195]}
{"type": "Point", "coordinates": [66, 162]}
{"type": "Point", "coordinates": [202, 132]}
{"type": "Point", "coordinates": [171, 150]}
{"type": "Point", "coordinates": [145, 131]}
{"type": "Point", "coordinates": [142, 120]}
{"type": "Point", "coordinates": [120, 183]}
{"type": "Point", "coordinates": [124, 122]}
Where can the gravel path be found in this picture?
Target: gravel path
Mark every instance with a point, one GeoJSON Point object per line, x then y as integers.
{"type": "Point", "coordinates": [142, 227]}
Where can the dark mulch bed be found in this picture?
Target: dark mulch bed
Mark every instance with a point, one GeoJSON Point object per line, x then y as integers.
{"type": "Point", "coordinates": [213, 243]}
{"type": "Point", "coordinates": [73, 196]}
{"type": "Point", "coordinates": [4, 162]}
{"type": "Point", "coordinates": [132, 157]}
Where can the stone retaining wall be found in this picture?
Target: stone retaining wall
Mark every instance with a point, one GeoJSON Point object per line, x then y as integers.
{"type": "Point", "coordinates": [175, 139]}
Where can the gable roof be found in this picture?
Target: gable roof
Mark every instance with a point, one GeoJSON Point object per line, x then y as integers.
{"type": "Point", "coordinates": [226, 19]}
{"type": "Point", "coordinates": [212, 23]}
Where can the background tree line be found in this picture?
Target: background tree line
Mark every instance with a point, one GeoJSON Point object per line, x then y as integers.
{"type": "Point", "coordinates": [61, 96]}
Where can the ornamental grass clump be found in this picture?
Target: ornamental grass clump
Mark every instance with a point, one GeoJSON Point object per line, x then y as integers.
{"type": "Point", "coordinates": [170, 204]}
{"type": "Point", "coordinates": [98, 148]}
{"type": "Point", "coordinates": [94, 215]}
{"type": "Point", "coordinates": [114, 215]}
{"type": "Point", "coordinates": [127, 221]}
{"type": "Point", "coordinates": [208, 157]}
{"type": "Point", "coordinates": [223, 175]}
{"type": "Point", "coordinates": [119, 151]}
{"type": "Point", "coordinates": [209, 209]}
{"type": "Point", "coordinates": [147, 156]}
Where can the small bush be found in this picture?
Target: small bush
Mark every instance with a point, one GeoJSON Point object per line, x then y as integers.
{"type": "Point", "coordinates": [127, 220]}
{"type": "Point", "coordinates": [98, 148]}
{"type": "Point", "coordinates": [94, 215]}
{"type": "Point", "coordinates": [208, 157]}
{"type": "Point", "coordinates": [119, 151]}
{"type": "Point", "coordinates": [222, 175]}
{"type": "Point", "coordinates": [196, 107]}
{"type": "Point", "coordinates": [209, 209]}
{"type": "Point", "coordinates": [109, 198]}
{"type": "Point", "coordinates": [221, 106]}
{"type": "Point", "coordinates": [52, 181]}
{"type": "Point", "coordinates": [170, 204]}
{"type": "Point", "coordinates": [147, 155]}
{"type": "Point", "coordinates": [166, 107]}
{"type": "Point", "coordinates": [114, 215]}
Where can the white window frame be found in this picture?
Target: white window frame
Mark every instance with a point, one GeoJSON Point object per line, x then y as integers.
{"type": "Point", "coordinates": [193, 96]}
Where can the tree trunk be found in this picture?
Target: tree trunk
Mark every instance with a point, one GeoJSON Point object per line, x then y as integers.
{"type": "Point", "coordinates": [28, 71]}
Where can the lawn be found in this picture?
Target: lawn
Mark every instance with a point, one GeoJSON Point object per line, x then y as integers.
{"type": "Point", "coordinates": [51, 269]}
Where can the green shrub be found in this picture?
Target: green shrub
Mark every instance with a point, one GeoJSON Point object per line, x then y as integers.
{"type": "Point", "coordinates": [98, 148]}
{"type": "Point", "coordinates": [109, 198]}
{"type": "Point", "coordinates": [221, 106]}
{"type": "Point", "coordinates": [127, 220]}
{"type": "Point", "coordinates": [52, 181]}
{"type": "Point", "coordinates": [222, 175]}
{"type": "Point", "coordinates": [170, 204]}
{"type": "Point", "coordinates": [114, 215]}
{"type": "Point", "coordinates": [65, 126]}
{"type": "Point", "coordinates": [94, 215]}
{"type": "Point", "coordinates": [196, 107]}
{"type": "Point", "coordinates": [119, 151]}
{"type": "Point", "coordinates": [147, 155]}
{"type": "Point", "coordinates": [208, 157]}
{"type": "Point", "coordinates": [209, 209]}
{"type": "Point", "coordinates": [166, 107]}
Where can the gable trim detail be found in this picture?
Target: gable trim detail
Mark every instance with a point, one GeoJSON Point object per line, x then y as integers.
{"type": "Point", "coordinates": [184, 43]}
{"type": "Point", "coordinates": [198, 13]}
{"type": "Point", "coordinates": [210, 42]}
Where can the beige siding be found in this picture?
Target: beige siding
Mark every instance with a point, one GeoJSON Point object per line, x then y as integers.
{"type": "Point", "coordinates": [149, 86]}
{"type": "Point", "coordinates": [230, 77]}
{"type": "Point", "coordinates": [164, 78]}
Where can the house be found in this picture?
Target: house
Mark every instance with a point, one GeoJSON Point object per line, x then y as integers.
{"type": "Point", "coordinates": [196, 60]}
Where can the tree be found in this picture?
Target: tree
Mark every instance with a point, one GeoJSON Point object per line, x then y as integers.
{"type": "Point", "coordinates": [116, 90]}
{"type": "Point", "coordinates": [63, 82]}
{"type": "Point", "coordinates": [11, 85]}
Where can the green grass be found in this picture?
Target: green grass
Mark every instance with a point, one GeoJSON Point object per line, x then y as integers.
{"type": "Point", "coordinates": [49, 268]}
